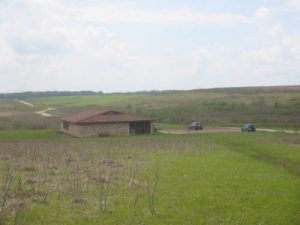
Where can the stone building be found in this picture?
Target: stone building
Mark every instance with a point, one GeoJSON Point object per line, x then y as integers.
{"type": "Point", "coordinates": [105, 123]}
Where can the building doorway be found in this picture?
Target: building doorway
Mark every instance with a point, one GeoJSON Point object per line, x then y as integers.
{"type": "Point", "coordinates": [140, 127]}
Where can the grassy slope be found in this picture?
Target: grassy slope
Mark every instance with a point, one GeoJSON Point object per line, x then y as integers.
{"type": "Point", "coordinates": [265, 106]}
{"type": "Point", "coordinates": [204, 179]}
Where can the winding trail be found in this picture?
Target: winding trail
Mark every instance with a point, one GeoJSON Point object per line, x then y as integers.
{"type": "Point", "coordinates": [24, 102]}
{"type": "Point", "coordinates": [42, 112]}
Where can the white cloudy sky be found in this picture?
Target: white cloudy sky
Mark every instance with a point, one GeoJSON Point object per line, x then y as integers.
{"type": "Point", "coordinates": [120, 45]}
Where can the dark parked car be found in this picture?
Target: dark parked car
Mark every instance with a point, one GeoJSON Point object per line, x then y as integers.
{"type": "Point", "coordinates": [248, 128]}
{"type": "Point", "coordinates": [196, 126]}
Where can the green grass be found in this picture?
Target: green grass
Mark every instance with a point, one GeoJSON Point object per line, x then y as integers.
{"type": "Point", "coordinates": [11, 105]}
{"type": "Point", "coordinates": [265, 106]}
{"type": "Point", "coordinates": [22, 134]}
{"type": "Point", "coordinates": [208, 179]}
{"type": "Point", "coordinates": [274, 107]}
{"type": "Point", "coordinates": [68, 101]}
{"type": "Point", "coordinates": [167, 126]}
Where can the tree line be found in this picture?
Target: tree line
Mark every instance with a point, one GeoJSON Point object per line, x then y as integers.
{"type": "Point", "coordinates": [38, 94]}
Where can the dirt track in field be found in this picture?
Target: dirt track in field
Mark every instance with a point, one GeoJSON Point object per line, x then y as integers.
{"type": "Point", "coordinates": [205, 130]}
{"type": "Point", "coordinates": [42, 112]}
{"type": "Point", "coordinates": [222, 130]}
{"type": "Point", "coordinates": [24, 102]}
{"type": "Point", "coordinates": [45, 112]}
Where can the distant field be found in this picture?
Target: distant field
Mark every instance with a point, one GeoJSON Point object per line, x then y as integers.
{"type": "Point", "coordinates": [277, 107]}
{"type": "Point", "coordinates": [205, 179]}
{"type": "Point", "coordinates": [71, 101]}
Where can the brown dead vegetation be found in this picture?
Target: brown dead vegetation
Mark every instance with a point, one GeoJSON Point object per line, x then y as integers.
{"type": "Point", "coordinates": [291, 166]}
{"type": "Point", "coordinates": [82, 171]}
{"type": "Point", "coordinates": [10, 114]}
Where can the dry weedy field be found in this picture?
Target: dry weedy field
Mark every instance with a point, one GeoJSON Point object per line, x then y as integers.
{"type": "Point", "coordinates": [160, 179]}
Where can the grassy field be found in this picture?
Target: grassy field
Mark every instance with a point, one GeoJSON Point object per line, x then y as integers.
{"type": "Point", "coordinates": [209, 179]}
{"type": "Point", "coordinates": [277, 107]}
{"type": "Point", "coordinates": [205, 179]}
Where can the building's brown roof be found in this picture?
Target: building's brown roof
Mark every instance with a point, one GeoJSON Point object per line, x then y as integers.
{"type": "Point", "coordinates": [103, 116]}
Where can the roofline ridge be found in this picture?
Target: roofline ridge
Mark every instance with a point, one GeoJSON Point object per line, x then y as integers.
{"type": "Point", "coordinates": [96, 114]}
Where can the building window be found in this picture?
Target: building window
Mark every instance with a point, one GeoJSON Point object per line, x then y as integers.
{"type": "Point", "coordinates": [65, 125]}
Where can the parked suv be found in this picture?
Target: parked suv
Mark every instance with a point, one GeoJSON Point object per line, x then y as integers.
{"type": "Point", "coordinates": [196, 126]}
{"type": "Point", "coordinates": [248, 128]}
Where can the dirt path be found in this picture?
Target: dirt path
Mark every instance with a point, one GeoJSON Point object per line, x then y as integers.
{"type": "Point", "coordinates": [222, 130]}
{"type": "Point", "coordinates": [24, 102]}
{"type": "Point", "coordinates": [283, 131]}
{"type": "Point", "coordinates": [44, 112]}
{"type": "Point", "coordinates": [205, 130]}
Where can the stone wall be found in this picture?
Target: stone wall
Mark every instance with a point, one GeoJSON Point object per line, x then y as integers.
{"type": "Point", "coordinates": [103, 129]}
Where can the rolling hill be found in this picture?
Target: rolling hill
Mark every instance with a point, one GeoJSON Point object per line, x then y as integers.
{"type": "Point", "coordinates": [266, 106]}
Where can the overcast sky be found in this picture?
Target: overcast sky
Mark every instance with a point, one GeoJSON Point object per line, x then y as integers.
{"type": "Point", "coordinates": [120, 45]}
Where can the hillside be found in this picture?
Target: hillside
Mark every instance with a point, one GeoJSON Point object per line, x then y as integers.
{"type": "Point", "coordinates": [265, 106]}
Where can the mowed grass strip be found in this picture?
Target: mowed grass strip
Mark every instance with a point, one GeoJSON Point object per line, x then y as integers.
{"type": "Point", "coordinates": [24, 134]}
{"type": "Point", "coordinates": [202, 179]}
